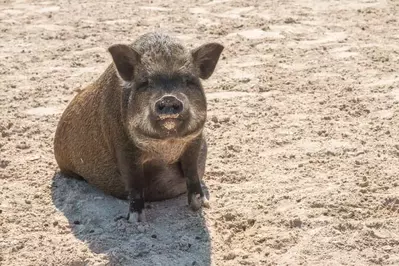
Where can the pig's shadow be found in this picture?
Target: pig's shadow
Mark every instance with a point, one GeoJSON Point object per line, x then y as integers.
{"type": "Point", "coordinates": [175, 236]}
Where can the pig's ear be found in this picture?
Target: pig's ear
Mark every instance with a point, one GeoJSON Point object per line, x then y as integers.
{"type": "Point", "coordinates": [206, 57]}
{"type": "Point", "coordinates": [125, 60]}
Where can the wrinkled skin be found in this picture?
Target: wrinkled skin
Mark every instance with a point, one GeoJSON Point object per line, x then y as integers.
{"type": "Point", "coordinates": [137, 130]}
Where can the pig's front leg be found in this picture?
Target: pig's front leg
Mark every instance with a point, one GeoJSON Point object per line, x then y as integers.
{"type": "Point", "coordinates": [133, 175]}
{"type": "Point", "coordinates": [136, 205]}
{"type": "Point", "coordinates": [189, 164]}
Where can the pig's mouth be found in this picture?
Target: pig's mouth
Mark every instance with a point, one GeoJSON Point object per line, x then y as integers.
{"type": "Point", "coordinates": [170, 122]}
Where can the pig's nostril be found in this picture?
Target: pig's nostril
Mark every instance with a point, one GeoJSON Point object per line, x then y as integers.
{"type": "Point", "coordinates": [168, 105]}
{"type": "Point", "coordinates": [176, 106]}
{"type": "Point", "coordinates": [161, 106]}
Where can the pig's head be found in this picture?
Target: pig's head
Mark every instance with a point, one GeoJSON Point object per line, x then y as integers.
{"type": "Point", "coordinates": [162, 92]}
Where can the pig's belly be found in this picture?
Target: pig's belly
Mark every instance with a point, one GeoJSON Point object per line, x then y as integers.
{"type": "Point", "coordinates": [164, 182]}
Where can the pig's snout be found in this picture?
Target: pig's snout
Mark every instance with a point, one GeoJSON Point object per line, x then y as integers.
{"type": "Point", "coordinates": [168, 106]}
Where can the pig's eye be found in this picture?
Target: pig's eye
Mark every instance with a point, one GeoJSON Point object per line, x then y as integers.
{"type": "Point", "coordinates": [143, 84]}
{"type": "Point", "coordinates": [190, 81]}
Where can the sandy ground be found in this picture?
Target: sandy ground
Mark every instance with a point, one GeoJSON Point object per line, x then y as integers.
{"type": "Point", "coordinates": [303, 134]}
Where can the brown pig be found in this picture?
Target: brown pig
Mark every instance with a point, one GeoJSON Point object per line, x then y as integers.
{"type": "Point", "coordinates": [137, 131]}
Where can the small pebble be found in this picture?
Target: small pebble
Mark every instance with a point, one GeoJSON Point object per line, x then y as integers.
{"type": "Point", "coordinates": [229, 256]}
{"type": "Point", "coordinates": [119, 218]}
{"type": "Point", "coordinates": [296, 223]}
{"type": "Point", "coordinates": [251, 222]}
{"type": "Point", "coordinates": [154, 236]}
{"type": "Point", "coordinates": [76, 222]}
{"type": "Point", "coordinates": [141, 228]}
{"type": "Point", "coordinates": [224, 119]}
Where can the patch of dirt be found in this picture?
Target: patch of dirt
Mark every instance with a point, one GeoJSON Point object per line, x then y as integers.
{"type": "Point", "coordinates": [303, 134]}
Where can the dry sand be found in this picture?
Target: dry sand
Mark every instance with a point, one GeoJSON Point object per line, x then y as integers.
{"type": "Point", "coordinates": [303, 133]}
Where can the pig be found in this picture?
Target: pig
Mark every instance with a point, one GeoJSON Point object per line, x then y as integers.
{"type": "Point", "coordinates": [137, 131]}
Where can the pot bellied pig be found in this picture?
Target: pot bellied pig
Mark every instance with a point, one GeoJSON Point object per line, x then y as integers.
{"type": "Point", "coordinates": [137, 131]}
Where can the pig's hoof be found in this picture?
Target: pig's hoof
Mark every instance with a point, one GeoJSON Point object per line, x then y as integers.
{"type": "Point", "coordinates": [135, 217]}
{"type": "Point", "coordinates": [205, 202]}
{"type": "Point", "coordinates": [197, 201]}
